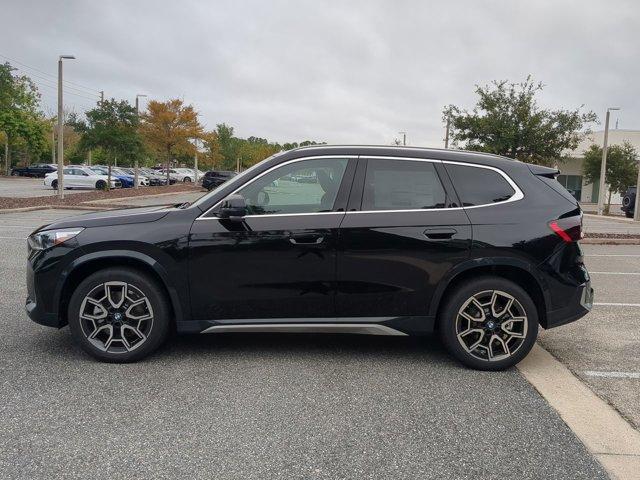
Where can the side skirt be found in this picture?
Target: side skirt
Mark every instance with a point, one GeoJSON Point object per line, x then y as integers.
{"type": "Point", "coordinates": [396, 326]}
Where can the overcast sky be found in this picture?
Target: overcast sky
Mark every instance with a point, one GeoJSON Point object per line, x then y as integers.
{"type": "Point", "coordinates": [334, 71]}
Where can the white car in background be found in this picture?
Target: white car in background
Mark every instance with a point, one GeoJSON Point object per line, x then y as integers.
{"type": "Point", "coordinates": [80, 177]}
{"type": "Point", "coordinates": [180, 174]}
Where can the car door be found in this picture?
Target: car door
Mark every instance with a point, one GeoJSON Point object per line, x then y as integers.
{"type": "Point", "coordinates": [280, 262]}
{"type": "Point", "coordinates": [404, 230]}
{"type": "Point", "coordinates": [70, 178]}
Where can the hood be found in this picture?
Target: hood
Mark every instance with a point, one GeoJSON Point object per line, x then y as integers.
{"type": "Point", "coordinates": [111, 217]}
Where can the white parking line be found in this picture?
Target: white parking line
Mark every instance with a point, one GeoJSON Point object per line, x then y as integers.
{"type": "Point", "coordinates": [607, 304]}
{"type": "Point", "coordinates": [611, 255]}
{"type": "Point", "coordinates": [13, 238]}
{"type": "Point", "coordinates": [592, 373]}
{"type": "Point", "coordinates": [615, 273]}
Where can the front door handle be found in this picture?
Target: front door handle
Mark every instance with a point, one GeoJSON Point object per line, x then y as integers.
{"type": "Point", "coordinates": [306, 240]}
{"type": "Point", "coordinates": [440, 233]}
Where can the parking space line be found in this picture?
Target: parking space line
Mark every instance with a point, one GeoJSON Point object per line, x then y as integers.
{"type": "Point", "coordinates": [592, 373]}
{"type": "Point", "coordinates": [614, 273]}
{"type": "Point", "coordinates": [612, 304]}
{"type": "Point", "coordinates": [611, 255]}
{"type": "Point", "coordinates": [13, 238]}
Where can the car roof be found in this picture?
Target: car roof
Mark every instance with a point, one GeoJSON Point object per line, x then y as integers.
{"type": "Point", "coordinates": [466, 156]}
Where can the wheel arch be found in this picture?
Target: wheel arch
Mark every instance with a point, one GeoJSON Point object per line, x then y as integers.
{"type": "Point", "coordinates": [516, 270]}
{"type": "Point", "coordinates": [84, 266]}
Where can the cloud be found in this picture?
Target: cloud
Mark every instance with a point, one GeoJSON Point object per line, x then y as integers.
{"type": "Point", "coordinates": [335, 71]}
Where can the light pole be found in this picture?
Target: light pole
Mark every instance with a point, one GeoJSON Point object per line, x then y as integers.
{"type": "Point", "coordinates": [446, 135]}
{"type": "Point", "coordinates": [636, 212]}
{"type": "Point", "coordinates": [195, 160]}
{"type": "Point", "coordinates": [135, 170]}
{"type": "Point", "coordinates": [61, 127]}
{"type": "Point", "coordinates": [603, 166]}
{"type": "Point", "coordinates": [404, 137]}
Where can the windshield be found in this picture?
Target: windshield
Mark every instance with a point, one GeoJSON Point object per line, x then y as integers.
{"type": "Point", "coordinates": [235, 181]}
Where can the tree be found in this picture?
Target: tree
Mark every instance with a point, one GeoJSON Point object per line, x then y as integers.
{"type": "Point", "coordinates": [212, 153]}
{"type": "Point", "coordinates": [622, 168]}
{"type": "Point", "coordinates": [507, 120]}
{"type": "Point", "coordinates": [20, 120]}
{"type": "Point", "coordinates": [169, 129]}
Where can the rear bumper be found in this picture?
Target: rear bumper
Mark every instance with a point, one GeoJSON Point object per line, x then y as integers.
{"type": "Point", "coordinates": [576, 307]}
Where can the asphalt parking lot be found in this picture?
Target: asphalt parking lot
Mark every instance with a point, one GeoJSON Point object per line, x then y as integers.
{"type": "Point", "coordinates": [22, 187]}
{"type": "Point", "coordinates": [299, 406]}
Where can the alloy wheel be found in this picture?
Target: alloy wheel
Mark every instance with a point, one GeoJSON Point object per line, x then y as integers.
{"type": "Point", "coordinates": [491, 325]}
{"type": "Point", "coordinates": [116, 317]}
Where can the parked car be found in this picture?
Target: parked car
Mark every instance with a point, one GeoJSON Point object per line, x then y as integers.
{"type": "Point", "coordinates": [125, 179]}
{"type": "Point", "coordinates": [629, 201]}
{"type": "Point", "coordinates": [143, 179]}
{"type": "Point", "coordinates": [389, 241]}
{"type": "Point", "coordinates": [180, 174]}
{"type": "Point", "coordinates": [35, 170]}
{"type": "Point", "coordinates": [80, 177]}
{"type": "Point", "coordinates": [215, 178]}
{"type": "Point", "coordinates": [154, 177]}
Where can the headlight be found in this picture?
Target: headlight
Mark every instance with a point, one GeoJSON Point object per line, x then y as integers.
{"type": "Point", "coordinates": [50, 238]}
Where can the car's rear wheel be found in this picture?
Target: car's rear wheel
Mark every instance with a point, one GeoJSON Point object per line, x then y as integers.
{"type": "Point", "coordinates": [118, 315]}
{"type": "Point", "coordinates": [186, 180]}
{"type": "Point", "coordinates": [54, 184]}
{"type": "Point", "coordinates": [15, 174]}
{"type": "Point", "coordinates": [489, 323]}
{"type": "Point", "coordinates": [101, 185]}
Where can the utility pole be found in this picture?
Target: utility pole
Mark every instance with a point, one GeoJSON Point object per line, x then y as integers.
{"type": "Point", "coordinates": [136, 167]}
{"type": "Point", "coordinates": [238, 165]}
{"type": "Point", "coordinates": [603, 166]}
{"type": "Point", "coordinates": [404, 137]}
{"type": "Point", "coordinates": [195, 161]}
{"type": "Point", "coordinates": [101, 97]}
{"type": "Point", "coordinates": [61, 127]}
{"type": "Point", "coordinates": [636, 211]}
{"type": "Point", "coordinates": [6, 155]}
{"type": "Point", "coordinates": [446, 135]}
{"type": "Point", "coordinates": [53, 144]}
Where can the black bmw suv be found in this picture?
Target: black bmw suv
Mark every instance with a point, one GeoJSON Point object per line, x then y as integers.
{"type": "Point", "coordinates": [383, 241]}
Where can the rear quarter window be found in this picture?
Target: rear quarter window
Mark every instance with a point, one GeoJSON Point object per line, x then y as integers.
{"type": "Point", "coordinates": [479, 186]}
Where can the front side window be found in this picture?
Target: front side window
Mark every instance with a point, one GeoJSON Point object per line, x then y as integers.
{"type": "Point", "coordinates": [402, 185]}
{"type": "Point", "coordinates": [307, 186]}
{"type": "Point", "coordinates": [479, 186]}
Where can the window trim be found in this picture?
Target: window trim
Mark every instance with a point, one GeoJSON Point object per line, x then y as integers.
{"type": "Point", "coordinates": [300, 159]}
{"type": "Point", "coordinates": [517, 196]}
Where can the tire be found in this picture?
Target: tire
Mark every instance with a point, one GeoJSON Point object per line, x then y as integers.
{"type": "Point", "coordinates": [186, 180]}
{"type": "Point", "coordinates": [54, 184]}
{"type": "Point", "coordinates": [15, 174]}
{"type": "Point", "coordinates": [114, 334]}
{"type": "Point", "coordinates": [474, 353]}
{"type": "Point", "coordinates": [101, 185]}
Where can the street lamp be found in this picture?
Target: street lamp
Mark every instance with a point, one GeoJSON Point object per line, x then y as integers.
{"type": "Point", "coordinates": [135, 170]}
{"type": "Point", "coordinates": [603, 167]}
{"type": "Point", "coordinates": [404, 137]}
{"type": "Point", "coordinates": [61, 127]}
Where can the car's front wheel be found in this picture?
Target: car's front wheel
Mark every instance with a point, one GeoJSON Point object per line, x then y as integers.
{"type": "Point", "coordinates": [119, 315]}
{"type": "Point", "coordinates": [489, 323]}
{"type": "Point", "coordinates": [186, 180]}
{"type": "Point", "coordinates": [54, 184]}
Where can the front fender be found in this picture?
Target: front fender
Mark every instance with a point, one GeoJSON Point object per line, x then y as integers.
{"type": "Point", "coordinates": [129, 256]}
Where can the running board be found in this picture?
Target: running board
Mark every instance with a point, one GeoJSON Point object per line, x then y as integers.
{"type": "Point", "coordinates": [359, 328]}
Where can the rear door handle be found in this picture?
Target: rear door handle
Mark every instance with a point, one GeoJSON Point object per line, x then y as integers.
{"type": "Point", "coordinates": [306, 240]}
{"type": "Point", "coordinates": [440, 233]}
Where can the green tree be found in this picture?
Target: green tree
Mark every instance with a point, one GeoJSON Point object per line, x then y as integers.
{"type": "Point", "coordinates": [622, 168]}
{"type": "Point", "coordinates": [507, 120]}
{"type": "Point", "coordinates": [20, 120]}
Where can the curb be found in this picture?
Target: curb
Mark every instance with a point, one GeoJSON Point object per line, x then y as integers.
{"type": "Point", "coordinates": [610, 241]}
{"type": "Point", "coordinates": [107, 200]}
{"type": "Point", "coordinates": [53, 207]}
{"type": "Point", "coordinates": [602, 430]}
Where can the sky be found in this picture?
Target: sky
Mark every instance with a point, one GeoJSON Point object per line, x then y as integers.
{"type": "Point", "coordinates": [356, 72]}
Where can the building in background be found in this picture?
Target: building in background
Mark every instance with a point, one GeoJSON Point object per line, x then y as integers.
{"type": "Point", "coordinates": [571, 172]}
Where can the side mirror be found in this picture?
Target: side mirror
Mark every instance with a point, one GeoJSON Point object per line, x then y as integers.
{"type": "Point", "coordinates": [234, 208]}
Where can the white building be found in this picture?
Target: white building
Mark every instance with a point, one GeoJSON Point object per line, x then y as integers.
{"type": "Point", "coordinates": [571, 174]}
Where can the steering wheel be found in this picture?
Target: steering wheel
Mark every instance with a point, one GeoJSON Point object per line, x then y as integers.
{"type": "Point", "coordinates": [260, 198]}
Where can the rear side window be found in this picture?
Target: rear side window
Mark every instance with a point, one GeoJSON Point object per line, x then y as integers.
{"type": "Point", "coordinates": [479, 186]}
{"type": "Point", "coordinates": [402, 185]}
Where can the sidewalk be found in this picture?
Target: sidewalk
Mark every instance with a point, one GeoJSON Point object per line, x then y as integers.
{"type": "Point", "coordinates": [594, 224]}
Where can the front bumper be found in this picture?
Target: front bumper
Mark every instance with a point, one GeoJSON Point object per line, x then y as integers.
{"type": "Point", "coordinates": [576, 307]}
{"type": "Point", "coordinates": [34, 307]}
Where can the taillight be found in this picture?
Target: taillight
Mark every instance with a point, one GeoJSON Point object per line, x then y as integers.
{"type": "Point", "coordinates": [568, 229]}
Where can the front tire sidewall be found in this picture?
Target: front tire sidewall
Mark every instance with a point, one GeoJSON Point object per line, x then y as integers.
{"type": "Point", "coordinates": [448, 315]}
{"type": "Point", "coordinates": [148, 287]}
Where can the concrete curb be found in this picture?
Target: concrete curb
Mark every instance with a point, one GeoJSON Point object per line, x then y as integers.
{"type": "Point", "coordinates": [610, 217]}
{"type": "Point", "coordinates": [610, 241]}
{"type": "Point", "coordinates": [53, 207]}
{"type": "Point", "coordinates": [608, 436]}
{"type": "Point", "coordinates": [136, 197]}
